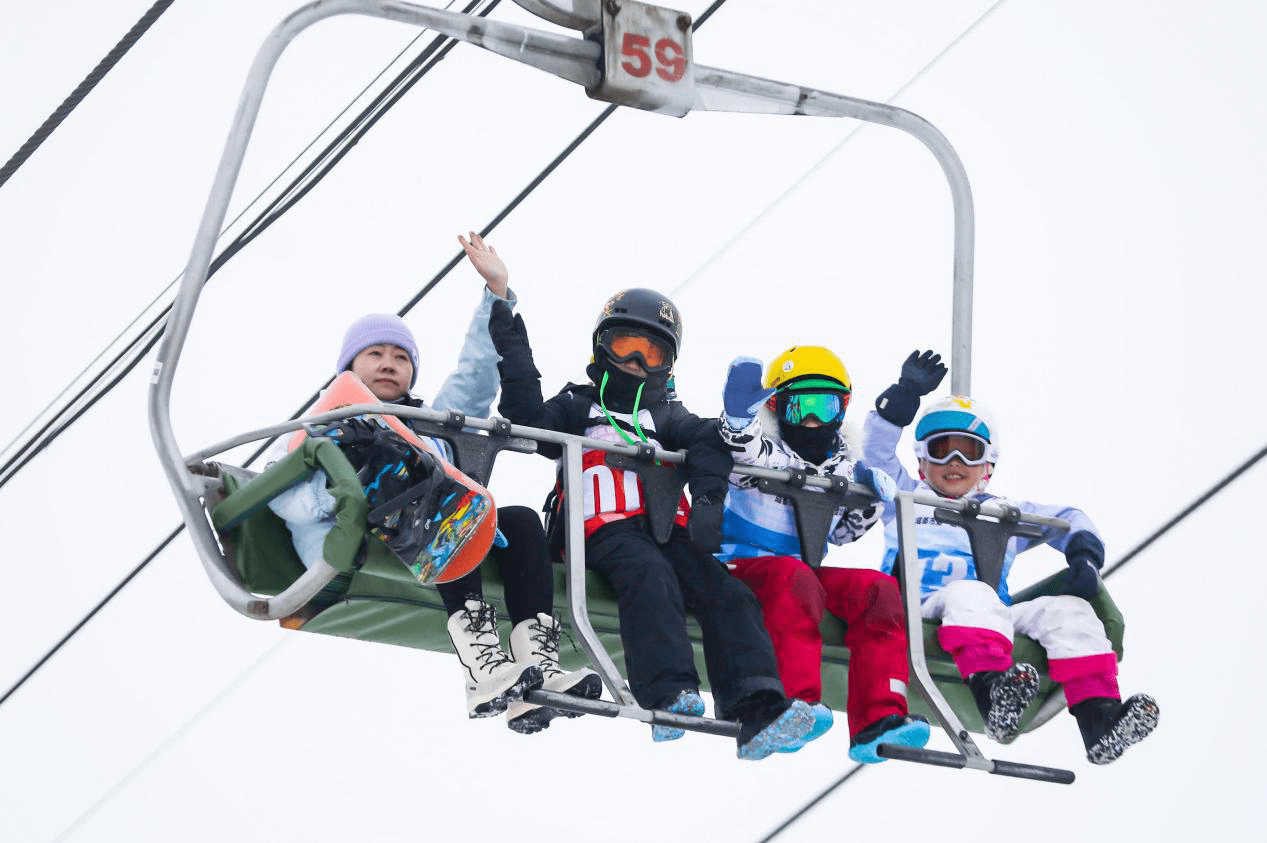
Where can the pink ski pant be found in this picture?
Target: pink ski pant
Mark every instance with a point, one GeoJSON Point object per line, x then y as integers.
{"type": "Point", "coordinates": [977, 630]}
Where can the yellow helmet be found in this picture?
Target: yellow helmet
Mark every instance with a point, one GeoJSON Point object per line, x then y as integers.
{"type": "Point", "coordinates": [807, 367]}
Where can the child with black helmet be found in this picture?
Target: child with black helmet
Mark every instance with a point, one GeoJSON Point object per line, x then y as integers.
{"type": "Point", "coordinates": [805, 393]}
{"type": "Point", "coordinates": [636, 341]}
{"type": "Point", "coordinates": [957, 444]}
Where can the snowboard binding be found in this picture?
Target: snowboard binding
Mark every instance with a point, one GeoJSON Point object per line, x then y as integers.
{"type": "Point", "coordinates": [416, 508]}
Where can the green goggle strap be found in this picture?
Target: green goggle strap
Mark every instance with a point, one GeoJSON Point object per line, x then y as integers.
{"type": "Point", "coordinates": [612, 421]}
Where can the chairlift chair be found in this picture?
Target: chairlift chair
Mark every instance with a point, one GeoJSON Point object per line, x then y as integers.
{"type": "Point", "coordinates": [632, 54]}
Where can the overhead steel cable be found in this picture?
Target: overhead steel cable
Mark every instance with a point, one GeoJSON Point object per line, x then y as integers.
{"type": "Point", "coordinates": [439, 276]}
{"type": "Point", "coordinates": [7, 463]}
{"type": "Point", "coordinates": [805, 809]}
{"type": "Point", "coordinates": [299, 187]}
{"type": "Point", "coordinates": [831, 153]}
{"type": "Point", "coordinates": [1188, 510]}
{"type": "Point", "coordinates": [83, 89]}
{"type": "Point", "coordinates": [95, 609]}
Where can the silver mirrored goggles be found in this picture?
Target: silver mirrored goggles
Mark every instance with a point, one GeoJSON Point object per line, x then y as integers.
{"type": "Point", "coordinates": [941, 448]}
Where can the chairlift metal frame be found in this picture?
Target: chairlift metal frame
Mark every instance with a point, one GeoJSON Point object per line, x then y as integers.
{"type": "Point", "coordinates": [589, 61]}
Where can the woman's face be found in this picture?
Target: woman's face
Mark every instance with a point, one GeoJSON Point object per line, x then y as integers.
{"type": "Point", "coordinates": [386, 369]}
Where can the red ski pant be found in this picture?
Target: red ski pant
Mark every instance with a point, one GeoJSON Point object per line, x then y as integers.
{"type": "Point", "coordinates": [793, 597]}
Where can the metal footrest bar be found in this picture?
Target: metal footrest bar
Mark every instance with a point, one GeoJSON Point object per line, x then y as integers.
{"type": "Point", "coordinates": [951, 759]}
{"type": "Point", "coordinates": [603, 708]}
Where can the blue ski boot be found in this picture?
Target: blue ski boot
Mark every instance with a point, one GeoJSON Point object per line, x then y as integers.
{"type": "Point", "coordinates": [908, 730]}
{"type": "Point", "coordinates": [768, 722]}
{"type": "Point", "coordinates": [823, 720]}
{"type": "Point", "coordinates": [686, 702]}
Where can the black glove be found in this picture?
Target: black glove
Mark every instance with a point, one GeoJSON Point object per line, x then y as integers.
{"type": "Point", "coordinates": [510, 338]}
{"type": "Point", "coordinates": [921, 374]}
{"type": "Point", "coordinates": [1085, 556]}
{"type": "Point", "coordinates": [356, 437]}
{"type": "Point", "coordinates": [704, 523]}
{"type": "Point", "coordinates": [506, 329]}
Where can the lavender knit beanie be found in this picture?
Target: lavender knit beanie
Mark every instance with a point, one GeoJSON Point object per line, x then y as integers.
{"type": "Point", "coordinates": [374, 329]}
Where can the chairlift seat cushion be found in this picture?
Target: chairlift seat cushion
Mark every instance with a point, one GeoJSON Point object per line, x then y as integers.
{"type": "Point", "coordinates": [264, 553]}
{"type": "Point", "coordinates": [386, 606]}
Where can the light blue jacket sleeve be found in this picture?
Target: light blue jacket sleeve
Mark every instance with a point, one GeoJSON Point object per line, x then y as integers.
{"type": "Point", "coordinates": [473, 385]}
{"type": "Point", "coordinates": [1078, 522]}
{"type": "Point", "coordinates": [879, 450]}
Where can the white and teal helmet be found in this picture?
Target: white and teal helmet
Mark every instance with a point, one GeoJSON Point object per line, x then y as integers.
{"type": "Point", "coordinates": [957, 414]}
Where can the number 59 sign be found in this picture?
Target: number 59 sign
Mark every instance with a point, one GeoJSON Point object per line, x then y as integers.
{"type": "Point", "coordinates": [646, 58]}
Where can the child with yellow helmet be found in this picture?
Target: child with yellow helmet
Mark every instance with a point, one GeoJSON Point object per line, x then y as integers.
{"type": "Point", "coordinates": [957, 445]}
{"type": "Point", "coordinates": [807, 389]}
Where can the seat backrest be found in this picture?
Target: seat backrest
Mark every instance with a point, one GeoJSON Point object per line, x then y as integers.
{"type": "Point", "coordinates": [259, 540]}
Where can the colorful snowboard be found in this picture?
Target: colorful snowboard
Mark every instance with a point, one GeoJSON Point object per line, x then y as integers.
{"type": "Point", "coordinates": [468, 517]}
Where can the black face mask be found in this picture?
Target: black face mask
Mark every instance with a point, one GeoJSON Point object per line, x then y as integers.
{"type": "Point", "coordinates": [621, 388]}
{"type": "Point", "coordinates": [814, 444]}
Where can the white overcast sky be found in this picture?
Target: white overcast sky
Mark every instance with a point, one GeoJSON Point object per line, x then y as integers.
{"type": "Point", "coordinates": [1114, 150]}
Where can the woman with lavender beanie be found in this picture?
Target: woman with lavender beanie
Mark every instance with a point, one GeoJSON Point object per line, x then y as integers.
{"type": "Point", "coordinates": [380, 349]}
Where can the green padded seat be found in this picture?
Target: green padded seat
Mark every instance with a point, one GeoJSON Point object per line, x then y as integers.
{"type": "Point", "coordinates": [382, 602]}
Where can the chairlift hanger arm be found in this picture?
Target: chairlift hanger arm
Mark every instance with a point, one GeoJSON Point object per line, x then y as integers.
{"type": "Point", "coordinates": [726, 90]}
{"type": "Point", "coordinates": [573, 14]}
{"type": "Point", "coordinates": [584, 61]}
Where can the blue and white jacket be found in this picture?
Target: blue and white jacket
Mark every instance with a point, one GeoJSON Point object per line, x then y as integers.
{"type": "Point", "coordinates": [760, 524]}
{"type": "Point", "coordinates": [943, 548]}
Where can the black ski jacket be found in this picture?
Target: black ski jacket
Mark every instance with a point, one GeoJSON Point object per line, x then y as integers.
{"type": "Point", "coordinates": [708, 460]}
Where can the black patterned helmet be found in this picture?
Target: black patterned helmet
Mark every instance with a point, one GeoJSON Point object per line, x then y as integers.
{"type": "Point", "coordinates": [642, 308]}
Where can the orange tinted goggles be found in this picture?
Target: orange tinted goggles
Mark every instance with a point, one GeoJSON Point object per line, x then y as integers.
{"type": "Point", "coordinates": [625, 344]}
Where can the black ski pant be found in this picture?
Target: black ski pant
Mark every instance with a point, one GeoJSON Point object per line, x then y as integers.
{"type": "Point", "coordinates": [655, 584]}
{"type": "Point", "coordinates": [523, 564]}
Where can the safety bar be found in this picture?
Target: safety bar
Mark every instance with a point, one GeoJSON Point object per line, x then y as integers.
{"type": "Point", "coordinates": [909, 564]}
{"type": "Point", "coordinates": [290, 600]}
{"type": "Point", "coordinates": [655, 717]}
{"type": "Point", "coordinates": [1054, 775]}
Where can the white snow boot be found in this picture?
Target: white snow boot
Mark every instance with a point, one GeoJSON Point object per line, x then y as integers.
{"type": "Point", "coordinates": [536, 641]}
{"type": "Point", "coordinates": [493, 679]}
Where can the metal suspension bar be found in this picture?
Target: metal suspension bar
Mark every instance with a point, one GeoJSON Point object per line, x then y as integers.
{"type": "Point", "coordinates": [574, 14]}
{"type": "Point", "coordinates": [598, 655]}
{"type": "Point", "coordinates": [920, 677]}
{"type": "Point", "coordinates": [567, 702]}
{"type": "Point", "coordinates": [1054, 775]}
{"type": "Point", "coordinates": [725, 90]}
{"type": "Point", "coordinates": [969, 756]}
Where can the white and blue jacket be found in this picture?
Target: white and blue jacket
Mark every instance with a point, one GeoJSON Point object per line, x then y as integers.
{"type": "Point", "coordinates": [943, 548]}
{"type": "Point", "coordinates": [759, 524]}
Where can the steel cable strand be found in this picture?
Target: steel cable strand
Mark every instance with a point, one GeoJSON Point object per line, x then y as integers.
{"type": "Point", "coordinates": [83, 89]}
{"type": "Point", "coordinates": [299, 187]}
